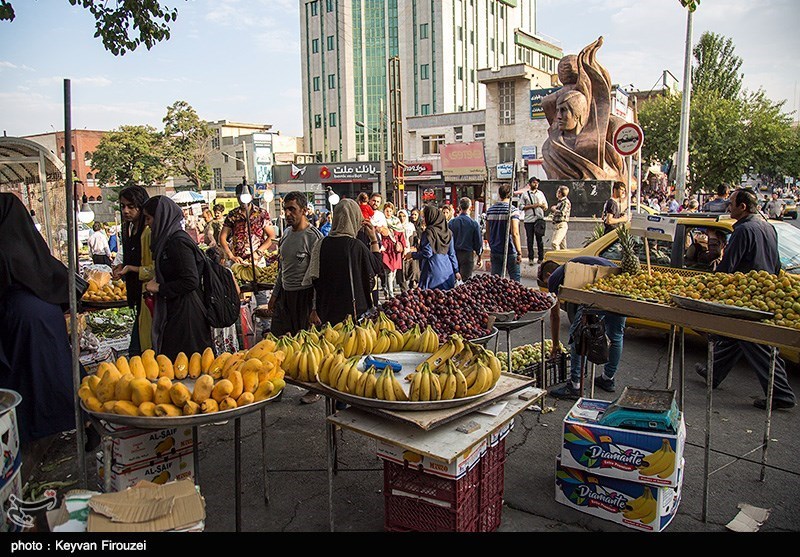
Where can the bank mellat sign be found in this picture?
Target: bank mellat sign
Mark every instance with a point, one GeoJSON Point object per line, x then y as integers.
{"type": "Point", "coordinates": [463, 162]}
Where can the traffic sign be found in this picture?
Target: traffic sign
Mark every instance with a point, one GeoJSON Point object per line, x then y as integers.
{"type": "Point", "coordinates": [628, 139]}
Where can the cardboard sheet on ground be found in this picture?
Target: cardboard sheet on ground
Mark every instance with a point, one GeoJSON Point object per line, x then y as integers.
{"type": "Point", "coordinates": [749, 519]}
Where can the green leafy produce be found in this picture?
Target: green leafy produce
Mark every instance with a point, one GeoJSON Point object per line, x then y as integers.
{"type": "Point", "coordinates": [110, 323]}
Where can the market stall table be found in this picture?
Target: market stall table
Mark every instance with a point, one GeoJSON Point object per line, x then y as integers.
{"type": "Point", "coordinates": [680, 319]}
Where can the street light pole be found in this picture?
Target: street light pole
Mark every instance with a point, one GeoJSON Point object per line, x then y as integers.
{"type": "Point", "coordinates": [383, 155]}
{"type": "Point", "coordinates": [683, 146]}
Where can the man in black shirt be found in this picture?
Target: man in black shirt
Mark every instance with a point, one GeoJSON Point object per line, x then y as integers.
{"type": "Point", "coordinates": [752, 246]}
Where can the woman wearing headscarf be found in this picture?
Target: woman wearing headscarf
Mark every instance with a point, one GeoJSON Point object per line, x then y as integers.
{"type": "Point", "coordinates": [35, 351]}
{"type": "Point", "coordinates": [343, 267]}
{"type": "Point", "coordinates": [410, 266]}
{"type": "Point", "coordinates": [436, 254]}
{"type": "Point", "coordinates": [393, 246]}
{"type": "Point", "coordinates": [179, 321]}
{"type": "Point", "coordinates": [135, 266]}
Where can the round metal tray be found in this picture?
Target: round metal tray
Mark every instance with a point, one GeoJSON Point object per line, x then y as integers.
{"type": "Point", "coordinates": [527, 319]}
{"type": "Point", "coordinates": [483, 341]}
{"type": "Point", "coordinates": [155, 422]}
{"type": "Point", "coordinates": [721, 309]}
{"type": "Point", "coordinates": [8, 400]}
{"type": "Point", "coordinates": [409, 361]}
{"type": "Point", "coordinates": [247, 286]}
{"type": "Point", "coordinates": [104, 305]}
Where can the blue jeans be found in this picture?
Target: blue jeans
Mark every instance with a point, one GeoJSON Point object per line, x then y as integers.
{"type": "Point", "coordinates": [615, 331]}
{"type": "Point", "coordinates": [512, 267]}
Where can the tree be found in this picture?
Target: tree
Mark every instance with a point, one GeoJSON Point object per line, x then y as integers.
{"type": "Point", "coordinates": [186, 142]}
{"type": "Point", "coordinates": [717, 67]}
{"type": "Point", "coordinates": [117, 25]}
{"type": "Point", "coordinates": [769, 133]}
{"type": "Point", "coordinates": [130, 155]}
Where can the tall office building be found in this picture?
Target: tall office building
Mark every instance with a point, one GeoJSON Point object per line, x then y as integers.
{"type": "Point", "coordinates": [440, 44]}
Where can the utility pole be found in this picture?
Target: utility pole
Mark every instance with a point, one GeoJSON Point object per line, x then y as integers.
{"type": "Point", "coordinates": [383, 154]}
{"type": "Point", "coordinates": [683, 146]}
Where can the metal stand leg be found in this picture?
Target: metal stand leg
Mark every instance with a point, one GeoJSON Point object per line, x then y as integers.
{"type": "Point", "coordinates": [544, 365]}
{"type": "Point", "coordinates": [331, 438]}
{"type": "Point", "coordinates": [583, 372]}
{"type": "Point", "coordinates": [770, 386]}
{"type": "Point", "coordinates": [108, 449]}
{"type": "Point", "coordinates": [670, 365]}
{"type": "Point", "coordinates": [196, 455]}
{"type": "Point", "coordinates": [264, 454]}
{"type": "Point", "coordinates": [682, 339]}
{"type": "Point", "coordinates": [591, 383]}
{"type": "Point", "coordinates": [707, 457]}
{"type": "Point", "coordinates": [508, 347]}
{"type": "Point", "coordinates": [237, 448]}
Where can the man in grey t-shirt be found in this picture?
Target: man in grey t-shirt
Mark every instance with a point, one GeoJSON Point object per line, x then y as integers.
{"type": "Point", "coordinates": [290, 304]}
{"type": "Point", "coordinates": [774, 207]}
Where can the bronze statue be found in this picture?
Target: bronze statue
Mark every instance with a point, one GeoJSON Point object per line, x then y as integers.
{"type": "Point", "coordinates": [579, 145]}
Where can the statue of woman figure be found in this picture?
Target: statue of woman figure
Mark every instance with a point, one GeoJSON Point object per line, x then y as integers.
{"type": "Point", "coordinates": [578, 146]}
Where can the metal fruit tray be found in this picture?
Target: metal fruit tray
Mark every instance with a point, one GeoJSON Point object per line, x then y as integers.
{"type": "Point", "coordinates": [721, 309]}
{"type": "Point", "coordinates": [409, 361]}
{"type": "Point", "coordinates": [483, 341]}
{"type": "Point", "coordinates": [8, 400]}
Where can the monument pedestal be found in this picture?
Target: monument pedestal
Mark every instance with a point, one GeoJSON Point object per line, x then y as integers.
{"type": "Point", "coordinates": [587, 196]}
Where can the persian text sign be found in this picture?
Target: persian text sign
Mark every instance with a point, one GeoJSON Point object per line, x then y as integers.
{"type": "Point", "coordinates": [463, 159]}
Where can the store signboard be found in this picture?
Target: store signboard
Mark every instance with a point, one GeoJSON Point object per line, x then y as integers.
{"type": "Point", "coordinates": [653, 226]}
{"type": "Point", "coordinates": [505, 170]}
{"type": "Point", "coordinates": [262, 146]}
{"type": "Point", "coordinates": [328, 173]}
{"type": "Point", "coordinates": [620, 103]}
{"type": "Point", "coordinates": [537, 111]}
{"type": "Point", "coordinates": [463, 161]}
{"type": "Point", "coordinates": [528, 152]}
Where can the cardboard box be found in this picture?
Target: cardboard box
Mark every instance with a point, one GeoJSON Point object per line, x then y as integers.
{"type": "Point", "coordinates": [148, 507]}
{"type": "Point", "coordinates": [159, 471]}
{"type": "Point", "coordinates": [500, 433]}
{"type": "Point", "coordinates": [12, 487]}
{"type": "Point", "coordinates": [616, 452]}
{"type": "Point", "coordinates": [617, 500]}
{"type": "Point", "coordinates": [453, 470]}
{"type": "Point", "coordinates": [141, 446]}
{"type": "Point", "coordinates": [578, 275]}
{"type": "Point", "coordinates": [9, 444]}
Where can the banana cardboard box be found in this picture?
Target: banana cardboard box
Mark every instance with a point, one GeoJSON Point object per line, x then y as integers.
{"type": "Point", "coordinates": [159, 471]}
{"type": "Point", "coordinates": [632, 504]}
{"type": "Point", "coordinates": [638, 456]}
{"type": "Point", "coordinates": [141, 446]}
{"type": "Point", "coordinates": [452, 470]}
{"type": "Point", "coordinates": [10, 446]}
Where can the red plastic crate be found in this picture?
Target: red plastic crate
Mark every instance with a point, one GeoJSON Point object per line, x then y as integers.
{"type": "Point", "coordinates": [491, 514]}
{"type": "Point", "coordinates": [428, 503]}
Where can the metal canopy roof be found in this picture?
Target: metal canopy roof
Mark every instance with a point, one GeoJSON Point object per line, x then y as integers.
{"type": "Point", "coordinates": [20, 160]}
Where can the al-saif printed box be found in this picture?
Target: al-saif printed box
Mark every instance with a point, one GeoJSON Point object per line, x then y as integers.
{"type": "Point", "coordinates": [635, 505]}
{"type": "Point", "coordinates": [650, 457]}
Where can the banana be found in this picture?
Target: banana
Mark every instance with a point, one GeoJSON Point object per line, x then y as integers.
{"type": "Point", "coordinates": [471, 375]}
{"type": "Point", "coordinates": [458, 342]}
{"type": "Point", "coordinates": [352, 379]}
{"type": "Point", "coordinates": [398, 341]}
{"type": "Point", "coordinates": [436, 387]}
{"type": "Point", "coordinates": [325, 368]}
{"type": "Point", "coordinates": [635, 503]}
{"type": "Point", "coordinates": [302, 366]}
{"type": "Point", "coordinates": [650, 516]}
{"type": "Point", "coordinates": [440, 356]}
{"type": "Point", "coordinates": [461, 384]}
{"type": "Point", "coordinates": [494, 364]}
{"type": "Point", "coordinates": [415, 387]}
{"type": "Point", "coordinates": [647, 506]}
{"type": "Point", "coordinates": [383, 344]}
{"type": "Point", "coordinates": [341, 382]}
{"type": "Point", "coordinates": [379, 394]}
{"type": "Point", "coordinates": [349, 343]}
{"type": "Point", "coordinates": [425, 385]}
{"type": "Point", "coordinates": [659, 461]}
{"type": "Point", "coordinates": [361, 386]}
{"type": "Point", "coordinates": [399, 393]}
{"type": "Point", "coordinates": [335, 372]}
{"type": "Point", "coordinates": [482, 379]}
{"type": "Point", "coordinates": [388, 388]}
{"type": "Point", "coordinates": [369, 389]}
{"type": "Point", "coordinates": [449, 390]}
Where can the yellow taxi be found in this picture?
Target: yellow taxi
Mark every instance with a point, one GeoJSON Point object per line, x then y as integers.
{"type": "Point", "coordinates": [789, 208]}
{"type": "Point", "coordinates": [691, 252]}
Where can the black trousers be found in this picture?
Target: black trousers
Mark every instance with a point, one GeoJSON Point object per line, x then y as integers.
{"type": "Point", "coordinates": [466, 263]}
{"type": "Point", "coordinates": [101, 259]}
{"type": "Point", "coordinates": [728, 351]}
{"type": "Point", "coordinates": [530, 235]}
{"type": "Point", "coordinates": [292, 309]}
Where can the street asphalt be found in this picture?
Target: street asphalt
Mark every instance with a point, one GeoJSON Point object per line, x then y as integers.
{"type": "Point", "coordinates": [296, 458]}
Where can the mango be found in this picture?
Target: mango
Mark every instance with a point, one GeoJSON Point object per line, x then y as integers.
{"type": "Point", "coordinates": [209, 406]}
{"type": "Point", "coordinates": [195, 366]}
{"type": "Point", "coordinates": [125, 408]}
{"type": "Point", "coordinates": [222, 389]}
{"type": "Point", "coordinates": [147, 409]}
{"type": "Point", "coordinates": [207, 359]}
{"type": "Point", "coordinates": [227, 403]}
{"type": "Point", "coordinates": [163, 386]}
{"type": "Point", "coordinates": [122, 365]}
{"type": "Point", "coordinates": [181, 366]}
{"type": "Point", "coordinates": [168, 410]}
{"type": "Point", "coordinates": [137, 367]}
{"type": "Point", "coordinates": [179, 394]}
{"type": "Point", "coordinates": [202, 388]}
{"type": "Point", "coordinates": [238, 383]}
{"type": "Point", "coordinates": [122, 390]}
{"type": "Point", "coordinates": [191, 408]}
{"type": "Point", "coordinates": [141, 391]}
{"type": "Point", "coordinates": [165, 368]}
{"type": "Point", "coordinates": [244, 399]}
{"type": "Point", "coordinates": [215, 369]}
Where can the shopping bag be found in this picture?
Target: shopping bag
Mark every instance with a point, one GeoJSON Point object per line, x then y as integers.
{"type": "Point", "coordinates": [592, 341]}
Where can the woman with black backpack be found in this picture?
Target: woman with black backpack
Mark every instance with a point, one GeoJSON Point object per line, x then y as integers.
{"type": "Point", "coordinates": [179, 322]}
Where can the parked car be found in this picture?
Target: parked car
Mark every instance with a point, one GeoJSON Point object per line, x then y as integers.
{"type": "Point", "coordinates": [680, 255]}
{"type": "Point", "coordinates": [789, 208]}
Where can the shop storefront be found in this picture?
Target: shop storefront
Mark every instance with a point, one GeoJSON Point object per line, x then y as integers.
{"type": "Point", "coordinates": [423, 185]}
{"type": "Point", "coordinates": [465, 174]}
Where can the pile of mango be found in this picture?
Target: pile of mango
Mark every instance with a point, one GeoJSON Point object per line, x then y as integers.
{"type": "Point", "coordinates": [114, 291]}
{"type": "Point", "coordinates": [153, 385]}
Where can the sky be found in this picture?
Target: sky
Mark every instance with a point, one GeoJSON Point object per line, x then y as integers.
{"type": "Point", "coordinates": [239, 60]}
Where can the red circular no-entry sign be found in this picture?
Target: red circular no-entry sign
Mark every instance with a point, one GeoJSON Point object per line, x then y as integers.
{"type": "Point", "coordinates": [628, 139]}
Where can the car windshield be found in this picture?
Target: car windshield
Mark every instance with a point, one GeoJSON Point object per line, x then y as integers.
{"type": "Point", "coordinates": [788, 246]}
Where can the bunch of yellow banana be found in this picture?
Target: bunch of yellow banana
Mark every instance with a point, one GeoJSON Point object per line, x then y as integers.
{"type": "Point", "coordinates": [384, 323]}
{"type": "Point", "coordinates": [479, 377]}
{"type": "Point", "coordinates": [337, 357]}
{"type": "Point", "coordinates": [453, 346]}
{"type": "Point", "coordinates": [428, 340]}
{"type": "Point", "coordinates": [660, 463]}
{"type": "Point", "coordinates": [411, 339]}
{"type": "Point", "coordinates": [344, 376]}
{"type": "Point", "coordinates": [388, 387]}
{"type": "Point", "coordinates": [308, 362]}
{"type": "Point", "coordinates": [344, 325]}
{"type": "Point", "coordinates": [359, 341]}
{"type": "Point", "coordinates": [644, 508]}
{"type": "Point", "coordinates": [330, 334]}
{"type": "Point", "coordinates": [388, 341]}
{"type": "Point", "coordinates": [425, 386]}
{"type": "Point", "coordinates": [367, 382]}
{"type": "Point", "coordinates": [453, 381]}
{"type": "Point", "coordinates": [327, 347]}
{"type": "Point", "coordinates": [288, 345]}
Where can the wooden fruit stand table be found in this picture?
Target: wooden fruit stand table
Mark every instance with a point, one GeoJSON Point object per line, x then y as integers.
{"type": "Point", "coordinates": [680, 319]}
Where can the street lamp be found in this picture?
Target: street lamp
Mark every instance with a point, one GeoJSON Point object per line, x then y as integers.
{"type": "Point", "coordinates": [85, 215]}
{"type": "Point", "coordinates": [246, 198]}
{"type": "Point", "coordinates": [333, 197]}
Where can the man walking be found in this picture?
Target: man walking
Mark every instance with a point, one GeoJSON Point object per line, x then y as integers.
{"type": "Point", "coordinates": [466, 239]}
{"type": "Point", "coordinates": [752, 246]}
{"type": "Point", "coordinates": [534, 204]}
{"type": "Point", "coordinates": [561, 211]}
{"type": "Point", "coordinates": [774, 207]}
{"type": "Point", "coordinates": [291, 304]}
{"type": "Point", "coordinates": [98, 245]}
{"type": "Point", "coordinates": [497, 217]}
{"type": "Point", "coordinates": [720, 203]}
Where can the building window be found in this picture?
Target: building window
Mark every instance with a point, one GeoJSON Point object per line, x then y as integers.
{"type": "Point", "coordinates": [330, 42]}
{"type": "Point", "coordinates": [317, 121]}
{"type": "Point", "coordinates": [460, 73]}
{"type": "Point", "coordinates": [217, 178]}
{"type": "Point", "coordinates": [472, 76]}
{"type": "Point", "coordinates": [479, 131]}
{"type": "Point", "coordinates": [424, 72]}
{"type": "Point", "coordinates": [431, 144]}
{"type": "Point", "coordinates": [314, 46]}
{"type": "Point", "coordinates": [491, 44]}
{"type": "Point", "coordinates": [460, 33]}
{"type": "Point", "coordinates": [491, 7]}
{"type": "Point", "coordinates": [332, 119]}
{"type": "Point", "coordinates": [331, 81]}
{"type": "Point", "coordinates": [87, 156]}
{"type": "Point", "coordinates": [318, 156]}
{"type": "Point", "coordinates": [502, 47]}
{"type": "Point", "coordinates": [239, 159]}
{"type": "Point", "coordinates": [426, 109]}
{"type": "Point", "coordinates": [423, 30]}
{"type": "Point", "coordinates": [506, 152]}
{"type": "Point", "coordinates": [314, 7]}
{"type": "Point", "coordinates": [334, 156]}
{"type": "Point", "coordinates": [62, 153]}
{"type": "Point", "coordinates": [215, 139]}
{"type": "Point", "coordinates": [472, 37]}
{"type": "Point", "coordinates": [458, 131]}
{"type": "Point", "coordinates": [316, 83]}
{"type": "Point", "coordinates": [329, 5]}
{"type": "Point", "coordinates": [506, 111]}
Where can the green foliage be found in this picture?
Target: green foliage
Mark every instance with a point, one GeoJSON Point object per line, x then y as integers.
{"type": "Point", "coordinates": [130, 155]}
{"type": "Point", "coordinates": [118, 25]}
{"type": "Point", "coordinates": [660, 118]}
{"type": "Point", "coordinates": [717, 67]}
{"type": "Point", "coordinates": [186, 142]}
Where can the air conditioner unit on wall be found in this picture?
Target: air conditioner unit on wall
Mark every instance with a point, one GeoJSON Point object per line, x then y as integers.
{"type": "Point", "coordinates": [506, 114]}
